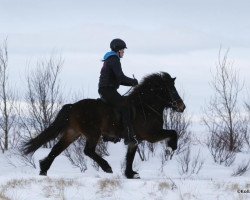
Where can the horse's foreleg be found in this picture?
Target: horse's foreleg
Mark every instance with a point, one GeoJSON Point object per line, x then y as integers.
{"type": "Point", "coordinates": [61, 145]}
{"type": "Point", "coordinates": [89, 150]}
{"type": "Point", "coordinates": [129, 173]}
{"type": "Point", "coordinates": [165, 134]}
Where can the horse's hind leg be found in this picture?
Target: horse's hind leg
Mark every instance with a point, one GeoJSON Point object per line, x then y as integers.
{"type": "Point", "coordinates": [89, 150]}
{"type": "Point", "coordinates": [68, 137]}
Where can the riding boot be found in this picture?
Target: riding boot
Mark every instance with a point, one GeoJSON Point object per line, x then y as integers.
{"type": "Point", "coordinates": [129, 133]}
{"type": "Point", "coordinates": [130, 137]}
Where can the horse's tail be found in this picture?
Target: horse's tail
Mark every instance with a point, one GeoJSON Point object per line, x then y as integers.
{"type": "Point", "coordinates": [59, 124]}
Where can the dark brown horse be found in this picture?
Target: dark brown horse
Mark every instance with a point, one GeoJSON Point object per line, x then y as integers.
{"type": "Point", "coordinates": [93, 118]}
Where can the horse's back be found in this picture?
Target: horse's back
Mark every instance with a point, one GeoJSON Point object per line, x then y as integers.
{"type": "Point", "coordinates": [91, 108]}
{"type": "Point", "coordinates": [94, 115]}
{"type": "Point", "coordinates": [91, 103]}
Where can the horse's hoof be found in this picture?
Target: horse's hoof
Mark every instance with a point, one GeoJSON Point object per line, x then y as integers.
{"type": "Point", "coordinates": [132, 175]}
{"type": "Point", "coordinates": [136, 176]}
{"type": "Point", "coordinates": [43, 173]}
{"type": "Point", "coordinates": [169, 151]}
{"type": "Point", "coordinates": [109, 170]}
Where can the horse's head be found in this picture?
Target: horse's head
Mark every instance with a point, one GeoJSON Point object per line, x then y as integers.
{"type": "Point", "coordinates": [159, 87]}
{"type": "Point", "coordinates": [171, 95]}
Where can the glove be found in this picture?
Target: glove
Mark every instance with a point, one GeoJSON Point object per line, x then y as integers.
{"type": "Point", "coordinates": [135, 82]}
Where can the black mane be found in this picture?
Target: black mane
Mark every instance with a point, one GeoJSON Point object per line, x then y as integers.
{"type": "Point", "coordinates": [151, 84]}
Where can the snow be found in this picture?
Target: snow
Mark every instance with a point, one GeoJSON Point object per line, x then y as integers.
{"type": "Point", "coordinates": [214, 181]}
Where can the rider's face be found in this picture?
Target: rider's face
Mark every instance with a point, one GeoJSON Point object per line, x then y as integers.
{"type": "Point", "coordinates": [121, 53]}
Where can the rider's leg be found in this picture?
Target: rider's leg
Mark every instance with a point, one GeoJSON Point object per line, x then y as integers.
{"type": "Point", "coordinates": [129, 133]}
{"type": "Point", "coordinates": [114, 98]}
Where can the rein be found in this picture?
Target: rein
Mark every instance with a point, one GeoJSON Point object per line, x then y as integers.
{"type": "Point", "coordinates": [155, 111]}
{"type": "Point", "coordinates": [150, 107]}
{"type": "Point", "coordinates": [172, 103]}
{"type": "Point", "coordinates": [127, 91]}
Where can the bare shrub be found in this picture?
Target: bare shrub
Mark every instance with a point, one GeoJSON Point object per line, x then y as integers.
{"type": "Point", "coordinates": [43, 98]}
{"type": "Point", "coordinates": [163, 158]}
{"type": "Point", "coordinates": [241, 169]}
{"type": "Point", "coordinates": [219, 151]}
{"type": "Point", "coordinates": [7, 101]}
{"type": "Point", "coordinates": [247, 134]}
{"type": "Point", "coordinates": [102, 150]}
{"type": "Point", "coordinates": [151, 148]}
{"type": "Point", "coordinates": [190, 165]}
{"type": "Point", "coordinates": [27, 160]}
{"type": "Point", "coordinates": [180, 123]}
{"type": "Point", "coordinates": [76, 155]}
{"type": "Point", "coordinates": [142, 148]}
{"type": "Point", "coordinates": [222, 117]}
{"type": "Point", "coordinates": [146, 149]}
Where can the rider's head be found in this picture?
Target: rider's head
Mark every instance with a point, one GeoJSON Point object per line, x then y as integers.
{"type": "Point", "coordinates": [118, 45]}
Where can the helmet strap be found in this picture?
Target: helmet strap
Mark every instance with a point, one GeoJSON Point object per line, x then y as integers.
{"type": "Point", "coordinates": [118, 52]}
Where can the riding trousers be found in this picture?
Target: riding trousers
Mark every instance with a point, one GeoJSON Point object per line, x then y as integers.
{"type": "Point", "coordinates": [112, 97]}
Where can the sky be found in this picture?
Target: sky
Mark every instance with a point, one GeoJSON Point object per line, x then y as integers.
{"type": "Point", "coordinates": [180, 37]}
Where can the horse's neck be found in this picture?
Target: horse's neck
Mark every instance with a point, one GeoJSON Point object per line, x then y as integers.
{"type": "Point", "coordinates": [146, 99]}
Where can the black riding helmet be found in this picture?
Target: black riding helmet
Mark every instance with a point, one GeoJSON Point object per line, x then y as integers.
{"type": "Point", "coordinates": [117, 44]}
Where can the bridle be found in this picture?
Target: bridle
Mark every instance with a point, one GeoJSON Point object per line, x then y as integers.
{"type": "Point", "coordinates": [174, 98]}
{"type": "Point", "coordinates": [173, 101]}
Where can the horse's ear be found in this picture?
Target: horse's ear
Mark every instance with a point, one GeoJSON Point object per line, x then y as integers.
{"type": "Point", "coordinates": [174, 78]}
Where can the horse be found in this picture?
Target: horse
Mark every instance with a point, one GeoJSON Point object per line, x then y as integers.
{"type": "Point", "coordinates": [94, 119]}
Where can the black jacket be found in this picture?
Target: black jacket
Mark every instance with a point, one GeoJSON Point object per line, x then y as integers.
{"type": "Point", "coordinates": [112, 74]}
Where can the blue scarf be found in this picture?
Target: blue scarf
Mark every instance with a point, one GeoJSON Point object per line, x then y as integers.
{"type": "Point", "coordinates": [108, 54]}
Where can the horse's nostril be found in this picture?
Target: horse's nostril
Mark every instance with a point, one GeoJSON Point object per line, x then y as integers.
{"type": "Point", "coordinates": [181, 107]}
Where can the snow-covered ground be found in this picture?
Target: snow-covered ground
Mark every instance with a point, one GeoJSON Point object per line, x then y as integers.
{"type": "Point", "coordinates": [66, 182]}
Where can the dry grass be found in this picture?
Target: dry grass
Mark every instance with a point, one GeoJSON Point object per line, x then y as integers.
{"type": "Point", "coordinates": [164, 186]}
{"type": "Point", "coordinates": [233, 187]}
{"type": "Point", "coordinates": [56, 188]}
{"type": "Point", "coordinates": [16, 183]}
{"type": "Point", "coordinates": [3, 197]}
{"type": "Point", "coordinates": [52, 188]}
{"type": "Point", "coordinates": [109, 184]}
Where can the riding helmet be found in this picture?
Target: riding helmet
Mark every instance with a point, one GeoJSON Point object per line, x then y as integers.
{"type": "Point", "coordinates": [117, 44]}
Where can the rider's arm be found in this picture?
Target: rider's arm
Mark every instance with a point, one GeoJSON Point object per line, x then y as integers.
{"type": "Point", "coordinates": [117, 69]}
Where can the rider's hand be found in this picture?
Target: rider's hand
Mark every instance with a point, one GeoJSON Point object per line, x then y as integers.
{"type": "Point", "coordinates": [135, 82]}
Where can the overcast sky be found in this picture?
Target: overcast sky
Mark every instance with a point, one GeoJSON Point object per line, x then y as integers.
{"type": "Point", "coordinates": [180, 37]}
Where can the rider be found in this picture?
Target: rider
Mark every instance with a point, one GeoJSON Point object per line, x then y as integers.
{"type": "Point", "coordinates": [111, 77]}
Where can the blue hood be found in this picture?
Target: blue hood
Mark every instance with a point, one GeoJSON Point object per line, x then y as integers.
{"type": "Point", "coordinates": [108, 54]}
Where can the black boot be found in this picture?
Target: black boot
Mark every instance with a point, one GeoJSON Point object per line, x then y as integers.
{"type": "Point", "coordinates": [129, 136]}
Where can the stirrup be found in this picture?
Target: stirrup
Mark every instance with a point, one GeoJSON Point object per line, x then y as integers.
{"type": "Point", "coordinates": [135, 139]}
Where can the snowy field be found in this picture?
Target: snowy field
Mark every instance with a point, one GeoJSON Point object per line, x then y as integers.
{"type": "Point", "coordinates": [213, 181]}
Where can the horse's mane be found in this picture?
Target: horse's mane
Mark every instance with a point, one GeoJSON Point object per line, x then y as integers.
{"type": "Point", "coordinates": [151, 82]}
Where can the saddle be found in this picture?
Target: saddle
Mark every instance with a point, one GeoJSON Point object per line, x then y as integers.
{"type": "Point", "coordinates": [117, 112]}
{"type": "Point", "coordinates": [118, 117]}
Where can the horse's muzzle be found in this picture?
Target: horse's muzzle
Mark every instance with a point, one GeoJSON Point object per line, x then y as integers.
{"type": "Point", "coordinates": [180, 106]}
